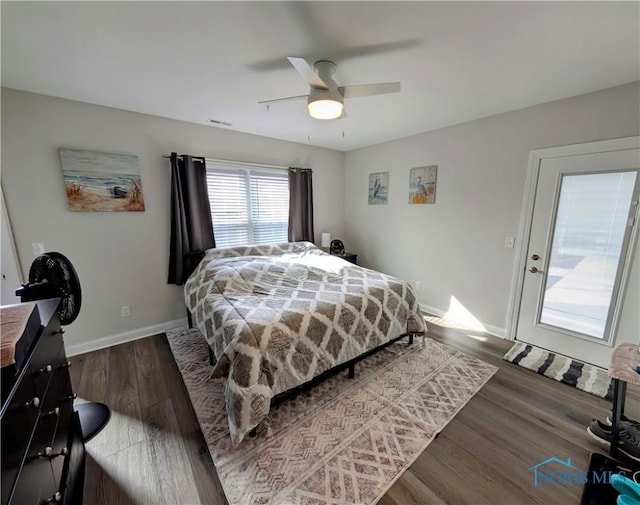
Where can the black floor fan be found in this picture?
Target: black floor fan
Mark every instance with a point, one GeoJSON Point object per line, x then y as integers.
{"type": "Point", "coordinates": [52, 276]}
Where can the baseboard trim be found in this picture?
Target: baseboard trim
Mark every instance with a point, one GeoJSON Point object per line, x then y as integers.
{"type": "Point", "coordinates": [147, 331]}
{"type": "Point", "coordinates": [496, 331]}
{"type": "Point", "coordinates": [121, 338]}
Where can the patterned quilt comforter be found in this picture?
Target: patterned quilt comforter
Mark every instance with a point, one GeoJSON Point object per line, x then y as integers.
{"type": "Point", "coordinates": [277, 316]}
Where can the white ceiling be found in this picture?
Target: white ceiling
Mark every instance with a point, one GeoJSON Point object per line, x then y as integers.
{"type": "Point", "coordinates": [457, 61]}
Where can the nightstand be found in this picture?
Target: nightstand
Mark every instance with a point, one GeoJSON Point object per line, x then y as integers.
{"type": "Point", "coordinates": [350, 257]}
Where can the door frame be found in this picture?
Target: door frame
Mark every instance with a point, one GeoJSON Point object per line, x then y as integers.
{"type": "Point", "coordinates": [13, 261]}
{"type": "Point", "coordinates": [536, 156]}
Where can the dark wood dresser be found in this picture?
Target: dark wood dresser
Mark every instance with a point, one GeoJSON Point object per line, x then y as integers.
{"type": "Point", "coordinates": [42, 450]}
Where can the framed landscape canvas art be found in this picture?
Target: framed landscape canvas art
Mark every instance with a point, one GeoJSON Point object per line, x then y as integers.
{"type": "Point", "coordinates": [102, 182]}
{"type": "Point", "coordinates": [422, 184]}
{"type": "Point", "coordinates": [379, 188]}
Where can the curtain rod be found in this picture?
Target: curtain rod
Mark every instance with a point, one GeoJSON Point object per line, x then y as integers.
{"type": "Point", "coordinates": [235, 162]}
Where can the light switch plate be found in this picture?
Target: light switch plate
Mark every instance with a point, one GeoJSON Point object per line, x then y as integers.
{"type": "Point", "coordinates": [38, 248]}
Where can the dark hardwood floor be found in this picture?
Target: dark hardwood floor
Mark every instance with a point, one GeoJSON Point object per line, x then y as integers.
{"type": "Point", "coordinates": [152, 450]}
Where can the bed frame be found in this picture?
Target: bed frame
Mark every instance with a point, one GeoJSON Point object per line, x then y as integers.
{"type": "Point", "coordinates": [350, 365]}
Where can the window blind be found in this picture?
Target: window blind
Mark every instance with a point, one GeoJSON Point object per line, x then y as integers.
{"type": "Point", "coordinates": [248, 206]}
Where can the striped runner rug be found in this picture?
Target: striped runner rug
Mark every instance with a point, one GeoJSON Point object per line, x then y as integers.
{"type": "Point", "coordinates": [584, 376]}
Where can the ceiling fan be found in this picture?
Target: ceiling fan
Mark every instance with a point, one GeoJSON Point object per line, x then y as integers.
{"type": "Point", "coordinates": [326, 99]}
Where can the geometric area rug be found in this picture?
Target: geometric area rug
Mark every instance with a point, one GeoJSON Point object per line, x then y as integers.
{"type": "Point", "coordinates": [345, 441]}
{"type": "Point", "coordinates": [584, 376]}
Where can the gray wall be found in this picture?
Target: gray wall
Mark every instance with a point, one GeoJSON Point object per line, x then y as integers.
{"type": "Point", "coordinates": [122, 257]}
{"type": "Point", "coordinates": [456, 247]}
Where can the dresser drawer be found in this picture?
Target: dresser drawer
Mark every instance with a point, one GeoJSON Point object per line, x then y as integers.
{"type": "Point", "coordinates": [35, 484]}
{"type": "Point", "coordinates": [17, 426]}
{"type": "Point", "coordinates": [61, 442]}
{"type": "Point", "coordinates": [45, 472]}
{"type": "Point", "coordinates": [42, 438]}
{"type": "Point", "coordinates": [58, 393]}
{"type": "Point", "coordinates": [47, 356]}
{"type": "Point", "coordinates": [44, 464]}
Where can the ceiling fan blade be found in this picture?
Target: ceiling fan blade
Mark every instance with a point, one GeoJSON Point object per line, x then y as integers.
{"type": "Point", "coordinates": [286, 99]}
{"type": "Point", "coordinates": [359, 90]}
{"type": "Point", "coordinates": [305, 70]}
{"type": "Point", "coordinates": [334, 54]}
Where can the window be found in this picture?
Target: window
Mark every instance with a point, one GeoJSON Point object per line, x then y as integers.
{"type": "Point", "coordinates": [248, 206]}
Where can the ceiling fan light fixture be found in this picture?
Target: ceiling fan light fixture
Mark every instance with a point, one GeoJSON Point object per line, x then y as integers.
{"type": "Point", "coordinates": [325, 103]}
{"type": "Point", "coordinates": [325, 109]}
{"type": "Point", "coordinates": [326, 99]}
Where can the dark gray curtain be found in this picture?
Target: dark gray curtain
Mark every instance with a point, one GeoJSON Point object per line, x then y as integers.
{"type": "Point", "coordinates": [300, 205]}
{"type": "Point", "coordinates": [191, 226]}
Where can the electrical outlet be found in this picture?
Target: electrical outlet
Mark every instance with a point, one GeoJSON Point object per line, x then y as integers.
{"type": "Point", "coordinates": [418, 285]}
{"type": "Point", "coordinates": [125, 310]}
{"type": "Point", "coordinates": [509, 242]}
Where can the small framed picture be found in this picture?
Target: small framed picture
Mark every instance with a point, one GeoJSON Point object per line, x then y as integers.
{"type": "Point", "coordinates": [101, 182]}
{"type": "Point", "coordinates": [379, 188]}
{"type": "Point", "coordinates": [422, 184]}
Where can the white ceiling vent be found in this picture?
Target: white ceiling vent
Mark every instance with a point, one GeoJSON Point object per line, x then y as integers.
{"type": "Point", "coordinates": [217, 122]}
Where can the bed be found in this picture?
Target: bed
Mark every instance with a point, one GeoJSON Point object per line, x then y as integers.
{"type": "Point", "coordinates": [278, 316]}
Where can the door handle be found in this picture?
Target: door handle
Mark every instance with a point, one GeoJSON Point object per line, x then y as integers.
{"type": "Point", "coordinates": [534, 270]}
